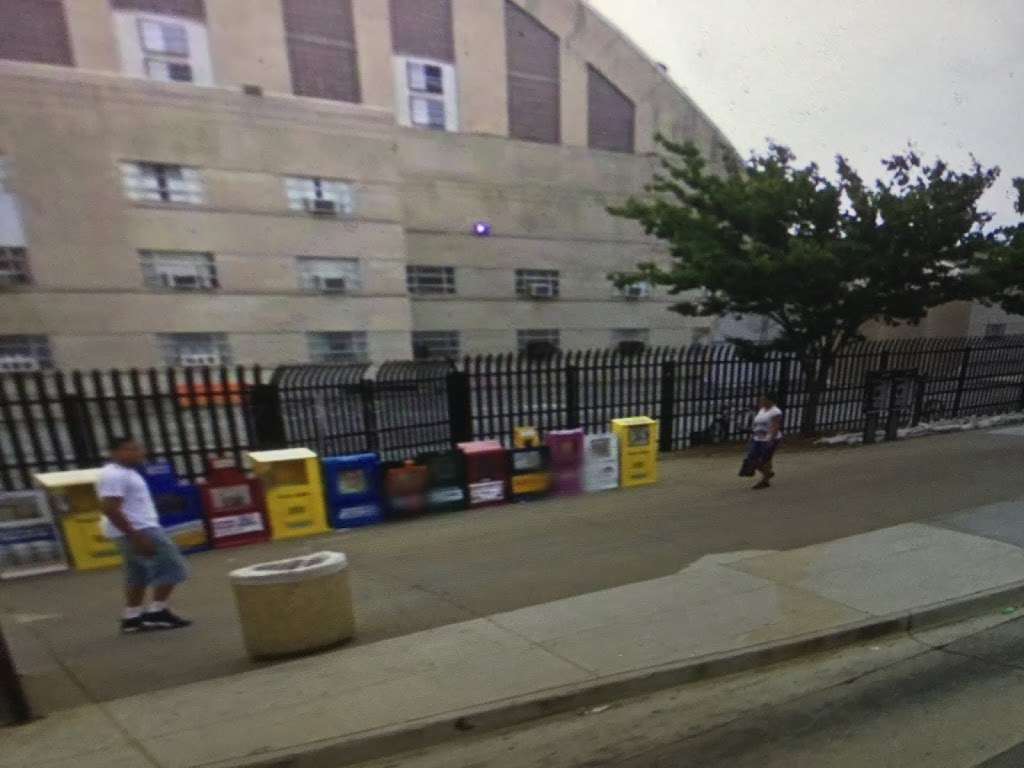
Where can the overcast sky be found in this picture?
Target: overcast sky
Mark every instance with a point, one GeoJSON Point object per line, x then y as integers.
{"type": "Point", "coordinates": [861, 77]}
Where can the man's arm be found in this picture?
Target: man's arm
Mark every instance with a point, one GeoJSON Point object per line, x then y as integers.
{"type": "Point", "coordinates": [114, 513]}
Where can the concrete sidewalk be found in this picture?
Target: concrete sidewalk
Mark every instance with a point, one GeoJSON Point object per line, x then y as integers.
{"type": "Point", "coordinates": [357, 702]}
{"type": "Point", "coordinates": [422, 574]}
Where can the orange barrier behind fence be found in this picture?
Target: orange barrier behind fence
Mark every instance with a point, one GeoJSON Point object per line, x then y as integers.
{"type": "Point", "coordinates": [201, 394]}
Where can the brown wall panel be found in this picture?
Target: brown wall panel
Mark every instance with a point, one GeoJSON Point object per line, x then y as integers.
{"type": "Point", "coordinates": [195, 9]}
{"type": "Point", "coordinates": [322, 49]}
{"type": "Point", "coordinates": [423, 28]}
{"type": "Point", "coordinates": [534, 78]}
{"type": "Point", "coordinates": [611, 115]}
{"type": "Point", "coordinates": [34, 30]}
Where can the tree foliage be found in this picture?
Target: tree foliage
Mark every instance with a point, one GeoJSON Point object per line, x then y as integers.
{"type": "Point", "coordinates": [821, 257]}
{"type": "Point", "coordinates": [999, 278]}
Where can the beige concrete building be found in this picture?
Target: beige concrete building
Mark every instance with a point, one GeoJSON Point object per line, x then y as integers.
{"type": "Point", "coordinates": [283, 180]}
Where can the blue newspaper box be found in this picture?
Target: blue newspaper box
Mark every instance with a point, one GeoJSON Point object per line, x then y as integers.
{"type": "Point", "coordinates": [179, 505]}
{"type": "Point", "coordinates": [353, 490]}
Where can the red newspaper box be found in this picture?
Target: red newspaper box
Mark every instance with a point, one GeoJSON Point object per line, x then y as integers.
{"type": "Point", "coordinates": [486, 472]}
{"type": "Point", "coordinates": [233, 505]}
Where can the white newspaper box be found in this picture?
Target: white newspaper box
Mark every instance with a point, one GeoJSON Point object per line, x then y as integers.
{"type": "Point", "coordinates": [600, 462]}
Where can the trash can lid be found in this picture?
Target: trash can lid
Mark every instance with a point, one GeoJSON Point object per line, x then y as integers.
{"type": "Point", "coordinates": [291, 570]}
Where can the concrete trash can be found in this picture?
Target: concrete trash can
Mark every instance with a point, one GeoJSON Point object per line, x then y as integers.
{"type": "Point", "coordinates": [294, 606]}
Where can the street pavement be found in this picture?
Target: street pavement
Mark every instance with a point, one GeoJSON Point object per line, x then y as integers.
{"type": "Point", "coordinates": [949, 698]}
{"type": "Point", "coordinates": [418, 575]}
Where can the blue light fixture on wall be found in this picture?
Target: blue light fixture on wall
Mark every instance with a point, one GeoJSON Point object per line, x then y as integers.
{"type": "Point", "coordinates": [482, 228]}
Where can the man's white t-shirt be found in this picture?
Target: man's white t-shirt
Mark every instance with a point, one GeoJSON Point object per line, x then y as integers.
{"type": "Point", "coordinates": [763, 423]}
{"type": "Point", "coordinates": [137, 503]}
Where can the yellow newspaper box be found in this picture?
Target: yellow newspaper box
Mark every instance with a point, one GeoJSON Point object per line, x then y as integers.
{"type": "Point", "coordinates": [525, 437]}
{"type": "Point", "coordinates": [294, 490]}
{"type": "Point", "coordinates": [79, 511]}
{"type": "Point", "coordinates": [638, 450]}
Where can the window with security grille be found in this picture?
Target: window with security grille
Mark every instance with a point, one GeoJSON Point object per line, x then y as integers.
{"type": "Point", "coordinates": [534, 337]}
{"type": "Point", "coordinates": [186, 350]}
{"type": "Point", "coordinates": [630, 336]}
{"type": "Point", "coordinates": [338, 346]}
{"type": "Point", "coordinates": [320, 275]}
{"type": "Point", "coordinates": [14, 267]}
{"type": "Point", "coordinates": [430, 281]}
{"type": "Point", "coordinates": [179, 271]}
{"type": "Point", "coordinates": [162, 183]}
{"type": "Point", "coordinates": [435, 345]}
{"type": "Point", "coordinates": [24, 354]}
{"type": "Point", "coordinates": [639, 290]}
{"type": "Point", "coordinates": [321, 196]}
{"type": "Point", "coordinates": [537, 283]}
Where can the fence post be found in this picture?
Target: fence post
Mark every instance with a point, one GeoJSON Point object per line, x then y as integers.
{"type": "Point", "coordinates": [367, 396]}
{"type": "Point", "coordinates": [572, 396]}
{"type": "Point", "coordinates": [80, 430]}
{"type": "Point", "coordinates": [266, 417]}
{"type": "Point", "coordinates": [783, 394]}
{"type": "Point", "coordinates": [961, 381]}
{"type": "Point", "coordinates": [667, 415]}
{"type": "Point", "coordinates": [460, 408]}
{"type": "Point", "coordinates": [14, 708]}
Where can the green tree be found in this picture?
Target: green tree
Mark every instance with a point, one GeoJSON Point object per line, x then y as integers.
{"type": "Point", "coordinates": [820, 257]}
{"type": "Point", "coordinates": [999, 278]}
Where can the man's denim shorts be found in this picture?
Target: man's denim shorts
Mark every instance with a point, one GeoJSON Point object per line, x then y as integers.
{"type": "Point", "coordinates": [164, 568]}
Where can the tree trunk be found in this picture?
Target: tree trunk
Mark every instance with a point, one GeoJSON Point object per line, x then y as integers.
{"type": "Point", "coordinates": [816, 372]}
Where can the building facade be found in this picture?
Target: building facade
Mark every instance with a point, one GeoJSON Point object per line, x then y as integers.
{"type": "Point", "coordinates": [188, 182]}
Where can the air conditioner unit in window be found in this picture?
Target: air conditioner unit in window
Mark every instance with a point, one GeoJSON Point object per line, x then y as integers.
{"type": "Point", "coordinates": [198, 360]}
{"type": "Point", "coordinates": [184, 282]}
{"type": "Point", "coordinates": [321, 206]}
{"type": "Point", "coordinates": [637, 291]}
{"type": "Point", "coordinates": [332, 284]}
{"type": "Point", "coordinates": [542, 291]}
{"type": "Point", "coordinates": [18, 364]}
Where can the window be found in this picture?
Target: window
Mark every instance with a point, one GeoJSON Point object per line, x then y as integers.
{"type": "Point", "coordinates": [165, 41]}
{"type": "Point", "coordinates": [14, 267]}
{"type": "Point", "coordinates": [426, 94]}
{"type": "Point", "coordinates": [630, 336]}
{"type": "Point", "coordinates": [535, 337]}
{"type": "Point", "coordinates": [641, 290]}
{"type": "Point", "coordinates": [22, 354]}
{"type": "Point", "coordinates": [537, 283]}
{"type": "Point", "coordinates": [194, 349]}
{"type": "Point", "coordinates": [430, 281]}
{"type": "Point", "coordinates": [318, 275]}
{"type": "Point", "coordinates": [179, 271]}
{"type": "Point", "coordinates": [162, 183]}
{"type": "Point", "coordinates": [995, 330]}
{"type": "Point", "coordinates": [319, 196]}
{"type": "Point", "coordinates": [435, 345]}
{"type": "Point", "coordinates": [337, 346]}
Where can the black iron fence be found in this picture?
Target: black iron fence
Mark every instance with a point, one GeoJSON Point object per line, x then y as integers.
{"type": "Point", "coordinates": [701, 394]}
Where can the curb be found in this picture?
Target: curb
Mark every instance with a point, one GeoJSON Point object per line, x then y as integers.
{"type": "Point", "coordinates": [420, 734]}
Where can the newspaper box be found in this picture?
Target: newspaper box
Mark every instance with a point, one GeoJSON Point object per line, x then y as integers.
{"type": "Point", "coordinates": [566, 447]}
{"type": "Point", "coordinates": [73, 497]}
{"type": "Point", "coordinates": [446, 480]}
{"type": "Point", "coordinates": [29, 540]}
{"type": "Point", "coordinates": [525, 437]}
{"type": "Point", "coordinates": [529, 473]}
{"type": "Point", "coordinates": [405, 488]}
{"type": "Point", "coordinates": [294, 491]}
{"type": "Point", "coordinates": [179, 505]}
{"type": "Point", "coordinates": [353, 490]}
{"type": "Point", "coordinates": [638, 450]}
{"type": "Point", "coordinates": [486, 472]}
{"type": "Point", "coordinates": [233, 503]}
{"type": "Point", "coordinates": [600, 462]}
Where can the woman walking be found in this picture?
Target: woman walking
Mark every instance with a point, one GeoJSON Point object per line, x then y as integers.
{"type": "Point", "coordinates": [767, 434]}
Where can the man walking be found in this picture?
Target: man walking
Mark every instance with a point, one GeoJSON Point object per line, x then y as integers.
{"type": "Point", "coordinates": [151, 558]}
